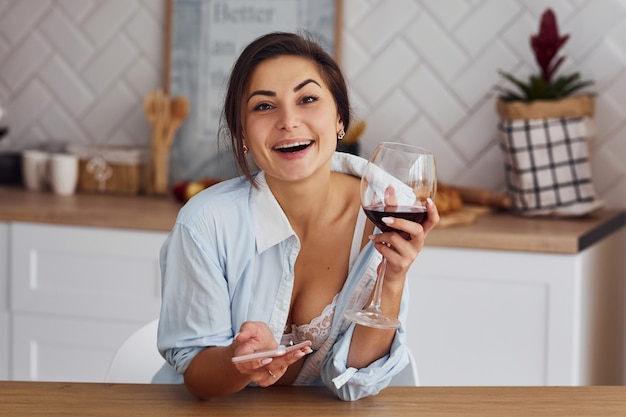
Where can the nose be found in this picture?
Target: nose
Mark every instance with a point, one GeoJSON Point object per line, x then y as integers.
{"type": "Point", "coordinates": [288, 118]}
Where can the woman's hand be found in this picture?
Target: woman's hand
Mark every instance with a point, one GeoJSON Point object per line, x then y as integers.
{"type": "Point", "coordinates": [256, 337]}
{"type": "Point", "coordinates": [401, 252]}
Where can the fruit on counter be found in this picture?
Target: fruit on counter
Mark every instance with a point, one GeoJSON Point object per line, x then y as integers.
{"type": "Point", "coordinates": [184, 190]}
{"type": "Point", "coordinates": [448, 199]}
{"type": "Point", "coordinates": [452, 198]}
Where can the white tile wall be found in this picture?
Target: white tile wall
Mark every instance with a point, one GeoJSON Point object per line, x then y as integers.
{"type": "Point", "coordinates": [77, 71]}
{"type": "Point", "coordinates": [419, 70]}
{"type": "Point", "coordinates": [435, 86]}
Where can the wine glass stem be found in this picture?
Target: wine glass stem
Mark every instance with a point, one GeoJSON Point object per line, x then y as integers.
{"type": "Point", "coordinates": [378, 288]}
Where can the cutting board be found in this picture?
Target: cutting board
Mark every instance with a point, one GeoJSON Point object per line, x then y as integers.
{"type": "Point", "coordinates": [466, 215]}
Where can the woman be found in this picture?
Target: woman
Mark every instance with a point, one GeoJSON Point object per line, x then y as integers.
{"type": "Point", "coordinates": [277, 256]}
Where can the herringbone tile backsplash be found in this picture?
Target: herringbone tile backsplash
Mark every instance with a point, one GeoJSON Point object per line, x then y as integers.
{"type": "Point", "coordinates": [421, 71]}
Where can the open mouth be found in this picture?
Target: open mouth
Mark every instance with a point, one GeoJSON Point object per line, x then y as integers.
{"type": "Point", "coordinates": [293, 147]}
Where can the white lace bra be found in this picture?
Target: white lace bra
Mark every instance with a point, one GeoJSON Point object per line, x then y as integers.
{"type": "Point", "coordinates": [317, 331]}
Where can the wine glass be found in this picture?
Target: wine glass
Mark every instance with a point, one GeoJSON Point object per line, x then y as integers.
{"type": "Point", "coordinates": [397, 181]}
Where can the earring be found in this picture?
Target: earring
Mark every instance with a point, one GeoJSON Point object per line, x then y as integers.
{"type": "Point", "coordinates": [245, 149]}
{"type": "Point", "coordinates": [341, 134]}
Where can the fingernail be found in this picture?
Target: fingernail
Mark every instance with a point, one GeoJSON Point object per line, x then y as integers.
{"type": "Point", "coordinates": [371, 237]}
{"type": "Point", "coordinates": [266, 361]}
{"type": "Point", "coordinates": [387, 220]}
{"type": "Point", "coordinates": [430, 201]}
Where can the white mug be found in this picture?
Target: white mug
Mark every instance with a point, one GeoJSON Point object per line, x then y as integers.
{"type": "Point", "coordinates": [63, 170]}
{"type": "Point", "coordinates": [34, 169]}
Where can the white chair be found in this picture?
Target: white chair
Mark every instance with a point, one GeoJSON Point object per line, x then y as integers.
{"type": "Point", "coordinates": [408, 377]}
{"type": "Point", "coordinates": [137, 360]}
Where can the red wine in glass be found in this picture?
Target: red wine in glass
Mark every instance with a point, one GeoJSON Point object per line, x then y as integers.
{"type": "Point", "coordinates": [375, 213]}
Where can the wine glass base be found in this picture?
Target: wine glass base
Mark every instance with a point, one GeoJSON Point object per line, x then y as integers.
{"type": "Point", "coordinates": [371, 318]}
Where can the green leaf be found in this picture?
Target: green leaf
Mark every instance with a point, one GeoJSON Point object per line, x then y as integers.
{"type": "Point", "coordinates": [536, 88]}
{"type": "Point", "coordinates": [579, 86]}
{"type": "Point", "coordinates": [520, 84]}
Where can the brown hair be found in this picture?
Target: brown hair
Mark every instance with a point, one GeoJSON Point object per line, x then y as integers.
{"type": "Point", "coordinates": [270, 46]}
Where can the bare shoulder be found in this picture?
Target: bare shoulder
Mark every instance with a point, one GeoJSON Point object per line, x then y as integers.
{"type": "Point", "coordinates": [352, 193]}
{"type": "Point", "coordinates": [347, 179]}
{"type": "Point", "coordinates": [347, 185]}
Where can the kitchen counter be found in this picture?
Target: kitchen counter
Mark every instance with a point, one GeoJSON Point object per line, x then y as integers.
{"type": "Point", "coordinates": [498, 231]}
{"type": "Point", "coordinates": [91, 210]}
{"type": "Point", "coordinates": [503, 231]}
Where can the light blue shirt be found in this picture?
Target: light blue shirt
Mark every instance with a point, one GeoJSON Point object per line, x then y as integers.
{"type": "Point", "coordinates": [230, 258]}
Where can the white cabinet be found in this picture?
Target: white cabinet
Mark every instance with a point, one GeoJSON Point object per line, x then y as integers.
{"type": "Point", "coordinates": [76, 294]}
{"type": "Point", "coordinates": [4, 301]}
{"type": "Point", "coordinates": [487, 317]}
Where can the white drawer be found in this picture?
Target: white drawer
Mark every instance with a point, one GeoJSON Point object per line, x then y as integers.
{"type": "Point", "coordinates": [58, 349]}
{"type": "Point", "coordinates": [85, 272]}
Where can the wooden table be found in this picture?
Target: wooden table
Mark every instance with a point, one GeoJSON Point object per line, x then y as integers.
{"type": "Point", "coordinates": [84, 399]}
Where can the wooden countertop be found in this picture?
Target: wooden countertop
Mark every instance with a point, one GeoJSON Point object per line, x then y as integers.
{"type": "Point", "coordinates": [497, 231]}
{"type": "Point", "coordinates": [93, 399]}
{"type": "Point", "coordinates": [503, 231]}
{"type": "Point", "coordinates": [93, 210]}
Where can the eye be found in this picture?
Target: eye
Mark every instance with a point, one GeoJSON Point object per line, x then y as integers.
{"type": "Point", "coordinates": [262, 107]}
{"type": "Point", "coordinates": [310, 99]}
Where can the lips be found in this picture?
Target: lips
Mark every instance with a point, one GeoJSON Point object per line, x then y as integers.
{"type": "Point", "coordinates": [293, 147]}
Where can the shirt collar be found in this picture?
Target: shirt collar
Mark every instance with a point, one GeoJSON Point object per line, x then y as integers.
{"type": "Point", "coordinates": [265, 206]}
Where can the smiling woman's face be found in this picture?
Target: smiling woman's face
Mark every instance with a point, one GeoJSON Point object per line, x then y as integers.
{"type": "Point", "coordinates": [290, 118]}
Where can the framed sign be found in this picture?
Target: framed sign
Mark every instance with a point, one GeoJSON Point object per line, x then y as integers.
{"type": "Point", "coordinates": [204, 38]}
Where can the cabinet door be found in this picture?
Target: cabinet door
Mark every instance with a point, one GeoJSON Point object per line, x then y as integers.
{"type": "Point", "coordinates": [4, 301]}
{"type": "Point", "coordinates": [63, 349]}
{"type": "Point", "coordinates": [493, 317]}
{"type": "Point", "coordinates": [76, 294]}
{"type": "Point", "coordinates": [85, 272]}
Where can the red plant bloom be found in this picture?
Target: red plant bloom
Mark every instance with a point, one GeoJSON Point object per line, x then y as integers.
{"type": "Point", "coordinates": [546, 44]}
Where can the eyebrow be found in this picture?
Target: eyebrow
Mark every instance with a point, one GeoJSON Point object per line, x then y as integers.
{"type": "Point", "coordinates": [273, 94]}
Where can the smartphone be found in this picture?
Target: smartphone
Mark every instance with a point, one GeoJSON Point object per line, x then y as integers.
{"type": "Point", "coordinates": [280, 351]}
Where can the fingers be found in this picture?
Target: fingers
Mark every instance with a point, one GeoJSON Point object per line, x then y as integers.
{"type": "Point", "coordinates": [268, 371]}
{"type": "Point", "coordinates": [268, 376]}
{"type": "Point", "coordinates": [433, 216]}
{"type": "Point", "coordinates": [274, 370]}
{"type": "Point", "coordinates": [405, 230]}
{"type": "Point", "coordinates": [400, 251]}
{"type": "Point", "coordinates": [254, 330]}
{"type": "Point", "coordinates": [410, 229]}
{"type": "Point", "coordinates": [390, 196]}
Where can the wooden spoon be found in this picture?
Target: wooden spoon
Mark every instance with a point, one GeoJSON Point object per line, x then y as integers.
{"type": "Point", "coordinates": [179, 109]}
{"type": "Point", "coordinates": [156, 108]}
{"type": "Point", "coordinates": [151, 107]}
{"type": "Point", "coordinates": [176, 113]}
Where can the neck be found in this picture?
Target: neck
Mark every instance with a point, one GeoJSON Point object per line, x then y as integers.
{"type": "Point", "coordinates": [305, 203]}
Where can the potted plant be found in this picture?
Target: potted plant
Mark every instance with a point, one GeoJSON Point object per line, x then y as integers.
{"type": "Point", "coordinates": [545, 126]}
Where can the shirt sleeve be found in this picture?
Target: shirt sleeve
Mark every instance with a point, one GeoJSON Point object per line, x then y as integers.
{"type": "Point", "coordinates": [195, 300]}
{"type": "Point", "coordinates": [350, 384]}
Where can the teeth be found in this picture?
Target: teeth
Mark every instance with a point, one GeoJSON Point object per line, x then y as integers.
{"type": "Point", "coordinates": [293, 145]}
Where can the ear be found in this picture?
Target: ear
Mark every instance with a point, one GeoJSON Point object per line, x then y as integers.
{"type": "Point", "coordinates": [339, 123]}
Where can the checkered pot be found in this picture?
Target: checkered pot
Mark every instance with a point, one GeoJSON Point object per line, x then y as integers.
{"type": "Point", "coordinates": [546, 158]}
